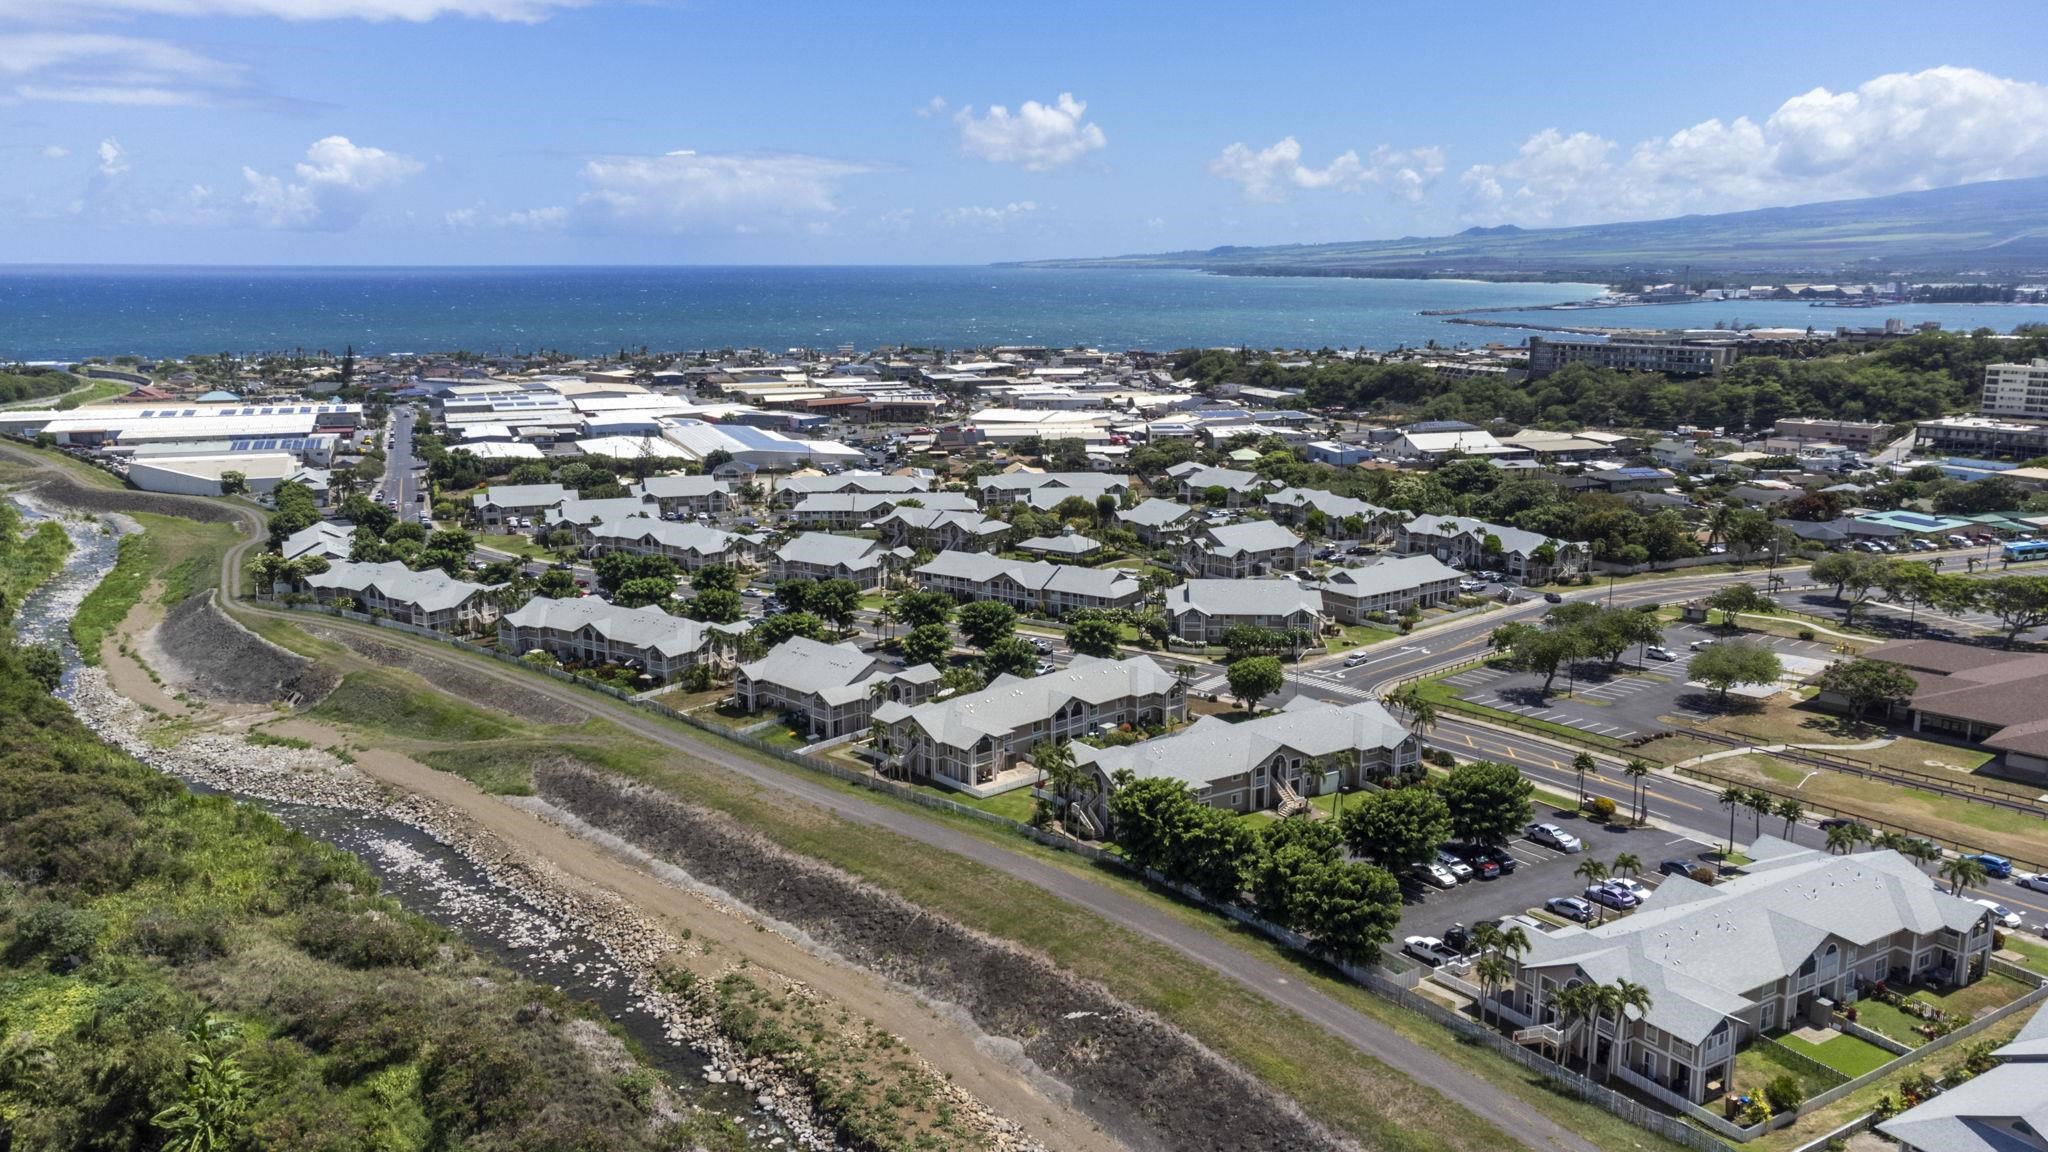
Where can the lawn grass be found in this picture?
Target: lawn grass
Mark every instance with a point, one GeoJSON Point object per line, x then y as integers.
{"type": "Point", "coordinates": [1759, 1064]}
{"type": "Point", "coordinates": [1803, 723]}
{"type": "Point", "coordinates": [403, 705]}
{"type": "Point", "coordinates": [1842, 1052]}
{"type": "Point", "coordinates": [1357, 636]}
{"type": "Point", "coordinates": [1981, 827]}
{"type": "Point", "coordinates": [1885, 1019]}
{"type": "Point", "coordinates": [485, 765]}
{"type": "Point", "coordinates": [183, 554]}
{"type": "Point", "coordinates": [2032, 955]}
{"type": "Point", "coordinates": [1016, 804]}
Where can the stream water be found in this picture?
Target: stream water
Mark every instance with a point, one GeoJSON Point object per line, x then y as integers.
{"type": "Point", "coordinates": [423, 874]}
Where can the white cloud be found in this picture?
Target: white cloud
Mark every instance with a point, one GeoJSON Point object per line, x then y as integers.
{"type": "Point", "coordinates": [997, 217]}
{"type": "Point", "coordinates": [55, 152]}
{"type": "Point", "coordinates": [113, 161]}
{"type": "Point", "coordinates": [520, 11]}
{"type": "Point", "coordinates": [1038, 137]}
{"type": "Point", "coordinates": [330, 189]}
{"type": "Point", "coordinates": [1898, 132]}
{"type": "Point", "coordinates": [685, 191]}
{"type": "Point", "coordinates": [936, 106]}
{"type": "Point", "coordinates": [1271, 174]}
{"type": "Point", "coordinates": [539, 219]}
{"type": "Point", "coordinates": [97, 68]}
{"type": "Point", "coordinates": [461, 217]}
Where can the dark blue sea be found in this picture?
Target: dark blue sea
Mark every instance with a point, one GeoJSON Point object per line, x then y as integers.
{"type": "Point", "coordinates": [67, 312]}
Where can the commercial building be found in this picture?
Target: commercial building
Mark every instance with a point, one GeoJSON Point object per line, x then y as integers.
{"type": "Point", "coordinates": [828, 689]}
{"type": "Point", "coordinates": [1982, 436]}
{"type": "Point", "coordinates": [1671, 358]}
{"type": "Point", "coordinates": [592, 630]}
{"type": "Point", "coordinates": [1799, 931]}
{"type": "Point", "coordinates": [1201, 611]}
{"type": "Point", "coordinates": [130, 425]}
{"type": "Point", "coordinates": [1995, 698]}
{"type": "Point", "coordinates": [976, 742]}
{"type": "Point", "coordinates": [2016, 390]}
{"type": "Point", "coordinates": [1309, 748]}
{"type": "Point", "coordinates": [1034, 587]}
{"type": "Point", "coordinates": [202, 475]}
{"type": "Point", "coordinates": [1858, 434]}
{"type": "Point", "coordinates": [1388, 587]}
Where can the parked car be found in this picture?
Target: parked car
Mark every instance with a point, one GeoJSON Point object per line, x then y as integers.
{"type": "Point", "coordinates": [1925, 546]}
{"type": "Point", "coordinates": [1701, 645]}
{"type": "Point", "coordinates": [1434, 874]}
{"type": "Point", "coordinates": [1429, 950]}
{"type": "Point", "coordinates": [1959, 541]}
{"type": "Point", "coordinates": [1041, 643]}
{"type": "Point", "coordinates": [1552, 598]}
{"type": "Point", "coordinates": [1660, 652]}
{"type": "Point", "coordinates": [1677, 866]}
{"type": "Point", "coordinates": [1484, 867]}
{"type": "Point", "coordinates": [1551, 836]}
{"type": "Point", "coordinates": [2001, 915]}
{"type": "Point", "coordinates": [1996, 867]}
{"type": "Point", "coordinates": [1569, 907]}
{"type": "Point", "coordinates": [1630, 885]}
{"type": "Point", "coordinates": [1453, 865]}
{"type": "Point", "coordinates": [1459, 938]}
{"type": "Point", "coordinates": [1498, 857]}
{"type": "Point", "coordinates": [1610, 897]}
{"type": "Point", "coordinates": [2033, 881]}
{"type": "Point", "coordinates": [1834, 822]}
{"type": "Point", "coordinates": [1046, 668]}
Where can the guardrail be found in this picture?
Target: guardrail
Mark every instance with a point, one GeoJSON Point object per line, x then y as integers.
{"type": "Point", "coordinates": [1383, 984]}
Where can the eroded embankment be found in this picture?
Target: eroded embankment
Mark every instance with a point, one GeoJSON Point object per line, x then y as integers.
{"type": "Point", "coordinates": [66, 492]}
{"type": "Point", "coordinates": [198, 647]}
{"type": "Point", "coordinates": [1148, 1082]}
{"type": "Point", "coordinates": [450, 675]}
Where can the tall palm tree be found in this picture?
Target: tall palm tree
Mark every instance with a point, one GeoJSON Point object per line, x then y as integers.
{"type": "Point", "coordinates": [1576, 1006]}
{"type": "Point", "coordinates": [1592, 872]}
{"type": "Point", "coordinates": [1962, 872]}
{"type": "Point", "coordinates": [1917, 850]}
{"type": "Point", "coordinates": [1760, 803]}
{"type": "Point", "coordinates": [1620, 997]}
{"type": "Point", "coordinates": [1790, 811]}
{"type": "Point", "coordinates": [1734, 798]}
{"type": "Point", "coordinates": [1628, 864]}
{"type": "Point", "coordinates": [1638, 770]}
{"type": "Point", "coordinates": [1494, 971]}
{"type": "Point", "coordinates": [1062, 777]}
{"type": "Point", "coordinates": [1842, 839]}
{"type": "Point", "coordinates": [1415, 703]}
{"type": "Point", "coordinates": [1582, 764]}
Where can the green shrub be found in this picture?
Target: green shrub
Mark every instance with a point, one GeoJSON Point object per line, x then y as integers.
{"type": "Point", "coordinates": [1785, 1092]}
{"type": "Point", "coordinates": [371, 938]}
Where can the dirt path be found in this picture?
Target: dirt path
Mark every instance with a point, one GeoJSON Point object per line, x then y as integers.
{"type": "Point", "coordinates": [981, 1070]}
{"type": "Point", "coordinates": [123, 650]}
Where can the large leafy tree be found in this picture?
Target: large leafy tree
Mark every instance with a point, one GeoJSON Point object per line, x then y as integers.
{"type": "Point", "coordinates": [1011, 655]}
{"type": "Point", "coordinates": [716, 606]}
{"type": "Point", "coordinates": [1853, 574]}
{"type": "Point", "coordinates": [715, 578]}
{"type": "Point", "coordinates": [986, 621]}
{"type": "Point", "coordinates": [1865, 684]}
{"type": "Point", "coordinates": [834, 601]}
{"type": "Point", "coordinates": [783, 625]}
{"type": "Point", "coordinates": [1093, 635]}
{"type": "Point", "coordinates": [1351, 909]}
{"type": "Point", "coordinates": [1148, 816]}
{"type": "Point", "coordinates": [642, 591]}
{"type": "Point", "coordinates": [615, 568]}
{"type": "Point", "coordinates": [1738, 662]}
{"type": "Point", "coordinates": [928, 644]}
{"type": "Point", "coordinates": [1397, 827]}
{"type": "Point", "coordinates": [2019, 602]}
{"type": "Point", "coordinates": [1733, 600]}
{"type": "Point", "coordinates": [918, 609]}
{"type": "Point", "coordinates": [1254, 678]}
{"type": "Point", "coordinates": [1488, 801]}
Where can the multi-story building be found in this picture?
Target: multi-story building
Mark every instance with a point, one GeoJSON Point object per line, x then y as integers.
{"type": "Point", "coordinates": [1858, 434]}
{"type": "Point", "coordinates": [1293, 505]}
{"type": "Point", "coordinates": [975, 742]}
{"type": "Point", "coordinates": [846, 511]}
{"type": "Point", "coordinates": [1250, 548]}
{"type": "Point", "coordinates": [942, 531]}
{"type": "Point", "coordinates": [832, 689]}
{"type": "Point", "coordinates": [1238, 488]}
{"type": "Point", "coordinates": [792, 490]}
{"type": "Point", "coordinates": [691, 546]}
{"type": "Point", "coordinates": [1158, 522]}
{"type": "Point", "coordinates": [592, 630]}
{"type": "Point", "coordinates": [1799, 931]}
{"type": "Point", "coordinates": [686, 495]}
{"type": "Point", "coordinates": [1044, 489]}
{"type": "Point", "coordinates": [1982, 436]}
{"type": "Point", "coordinates": [2019, 391]}
{"type": "Point", "coordinates": [1390, 585]}
{"type": "Point", "coordinates": [1201, 611]}
{"type": "Point", "coordinates": [1529, 557]}
{"type": "Point", "coordinates": [1309, 748]}
{"type": "Point", "coordinates": [1672, 358]}
{"type": "Point", "coordinates": [823, 556]}
{"type": "Point", "coordinates": [495, 504]}
{"type": "Point", "coordinates": [1034, 587]}
{"type": "Point", "coordinates": [430, 598]}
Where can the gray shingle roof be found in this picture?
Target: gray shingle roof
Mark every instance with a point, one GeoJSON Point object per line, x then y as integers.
{"type": "Point", "coordinates": [1334, 506]}
{"type": "Point", "coordinates": [1242, 598]}
{"type": "Point", "coordinates": [1978, 1115]}
{"type": "Point", "coordinates": [1075, 545]}
{"type": "Point", "coordinates": [1010, 703]}
{"type": "Point", "coordinates": [1155, 513]}
{"type": "Point", "coordinates": [649, 628]}
{"type": "Point", "coordinates": [432, 590]}
{"type": "Point", "coordinates": [825, 548]}
{"type": "Point", "coordinates": [1230, 479]}
{"type": "Point", "coordinates": [666, 533]}
{"type": "Point", "coordinates": [680, 487]}
{"type": "Point", "coordinates": [1513, 541]}
{"type": "Point", "coordinates": [1701, 950]}
{"type": "Point", "coordinates": [1037, 575]}
{"type": "Point", "coordinates": [1249, 536]}
{"type": "Point", "coordinates": [1211, 748]}
{"type": "Point", "coordinates": [522, 496]}
{"type": "Point", "coordinates": [1390, 574]}
{"type": "Point", "coordinates": [610, 510]}
{"type": "Point", "coordinates": [806, 666]}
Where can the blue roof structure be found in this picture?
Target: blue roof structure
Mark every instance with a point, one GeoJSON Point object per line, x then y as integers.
{"type": "Point", "coordinates": [1914, 521]}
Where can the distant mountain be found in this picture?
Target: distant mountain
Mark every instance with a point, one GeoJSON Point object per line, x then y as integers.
{"type": "Point", "coordinates": [1999, 228]}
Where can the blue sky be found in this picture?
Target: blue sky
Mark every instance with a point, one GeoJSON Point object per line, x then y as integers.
{"type": "Point", "coordinates": [717, 131]}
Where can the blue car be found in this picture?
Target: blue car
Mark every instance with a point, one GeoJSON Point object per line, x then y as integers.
{"type": "Point", "coordinates": [1996, 867]}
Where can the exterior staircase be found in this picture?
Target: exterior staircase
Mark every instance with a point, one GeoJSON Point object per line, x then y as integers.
{"type": "Point", "coordinates": [1291, 802]}
{"type": "Point", "coordinates": [1541, 1034]}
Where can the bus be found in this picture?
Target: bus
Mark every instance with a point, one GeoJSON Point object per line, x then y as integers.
{"type": "Point", "coordinates": [2024, 550]}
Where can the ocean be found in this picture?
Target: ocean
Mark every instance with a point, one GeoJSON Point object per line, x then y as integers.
{"type": "Point", "coordinates": [61, 313]}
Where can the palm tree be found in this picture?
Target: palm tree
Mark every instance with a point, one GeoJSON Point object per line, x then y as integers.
{"type": "Point", "coordinates": [1058, 772]}
{"type": "Point", "coordinates": [1621, 996]}
{"type": "Point", "coordinates": [1917, 850]}
{"type": "Point", "coordinates": [1760, 803]}
{"type": "Point", "coordinates": [1593, 872]}
{"type": "Point", "coordinates": [1638, 770]}
{"type": "Point", "coordinates": [1962, 872]}
{"type": "Point", "coordinates": [1576, 1005]}
{"type": "Point", "coordinates": [1842, 839]}
{"type": "Point", "coordinates": [1628, 864]}
{"type": "Point", "coordinates": [1582, 764]}
{"type": "Point", "coordinates": [1789, 810]}
{"type": "Point", "coordinates": [1416, 704]}
{"type": "Point", "coordinates": [1734, 798]}
{"type": "Point", "coordinates": [1494, 971]}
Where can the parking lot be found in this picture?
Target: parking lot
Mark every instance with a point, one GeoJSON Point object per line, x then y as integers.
{"type": "Point", "coordinates": [1624, 706]}
{"type": "Point", "coordinates": [1539, 874]}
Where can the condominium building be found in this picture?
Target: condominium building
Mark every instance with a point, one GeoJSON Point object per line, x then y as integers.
{"type": "Point", "coordinates": [1530, 557]}
{"type": "Point", "coordinates": [1034, 587]}
{"type": "Point", "coordinates": [1250, 548]}
{"type": "Point", "coordinates": [592, 630]}
{"type": "Point", "coordinates": [2016, 390]}
{"type": "Point", "coordinates": [1201, 611]}
{"type": "Point", "coordinates": [831, 689]}
{"type": "Point", "coordinates": [430, 598]}
{"type": "Point", "coordinates": [1547, 355]}
{"type": "Point", "coordinates": [1390, 585]}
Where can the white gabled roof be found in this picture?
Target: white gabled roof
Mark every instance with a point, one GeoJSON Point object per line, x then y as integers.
{"type": "Point", "coordinates": [1011, 703]}
{"type": "Point", "coordinates": [1211, 748]}
{"type": "Point", "coordinates": [1155, 513]}
{"type": "Point", "coordinates": [1390, 574]}
{"type": "Point", "coordinates": [648, 628]}
{"type": "Point", "coordinates": [1250, 536]}
{"type": "Point", "coordinates": [828, 549]}
{"type": "Point", "coordinates": [522, 496]}
{"type": "Point", "coordinates": [1243, 598]}
{"type": "Point", "coordinates": [431, 590]}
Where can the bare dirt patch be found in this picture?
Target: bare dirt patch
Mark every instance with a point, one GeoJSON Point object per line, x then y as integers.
{"type": "Point", "coordinates": [1149, 1083]}
{"type": "Point", "coordinates": [125, 664]}
{"type": "Point", "coordinates": [452, 676]}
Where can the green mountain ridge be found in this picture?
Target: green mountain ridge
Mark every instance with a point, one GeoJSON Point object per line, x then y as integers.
{"type": "Point", "coordinates": [1995, 229]}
